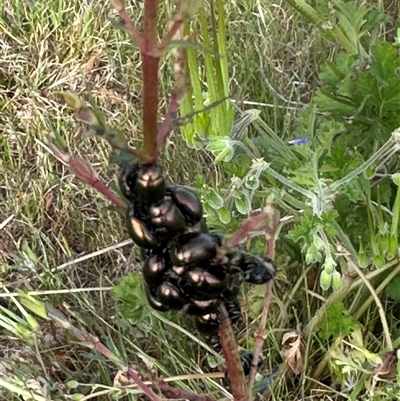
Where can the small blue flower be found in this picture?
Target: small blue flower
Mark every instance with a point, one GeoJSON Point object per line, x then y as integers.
{"type": "Point", "coordinates": [299, 141]}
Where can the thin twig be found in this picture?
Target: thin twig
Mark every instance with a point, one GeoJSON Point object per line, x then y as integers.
{"type": "Point", "coordinates": [84, 171]}
{"type": "Point", "coordinates": [176, 393]}
{"type": "Point", "coordinates": [146, 390]}
{"type": "Point", "coordinates": [128, 23]}
{"type": "Point", "coordinates": [177, 94]}
{"type": "Point", "coordinates": [252, 223]}
{"type": "Point", "coordinates": [175, 27]}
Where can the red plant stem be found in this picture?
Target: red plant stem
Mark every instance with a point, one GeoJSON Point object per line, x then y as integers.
{"type": "Point", "coordinates": [252, 223]}
{"type": "Point", "coordinates": [150, 81]}
{"type": "Point", "coordinates": [270, 230]}
{"type": "Point", "coordinates": [128, 23]}
{"type": "Point", "coordinates": [146, 390]}
{"type": "Point", "coordinates": [93, 342]}
{"type": "Point", "coordinates": [177, 94]}
{"type": "Point", "coordinates": [110, 195]}
{"type": "Point", "coordinates": [176, 393]}
{"type": "Point", "coordinates": [233, 364]}
{"type": "Point", "coordinates": [260, 335]}
{"type": "Point", "coordinates": [169, 120]}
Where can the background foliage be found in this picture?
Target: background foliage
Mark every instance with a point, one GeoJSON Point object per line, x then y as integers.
{"type": "Point", "coordinates": [324, 75]}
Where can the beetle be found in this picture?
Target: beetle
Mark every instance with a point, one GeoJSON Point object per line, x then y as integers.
{"type": "Point", "coordinates": [233, 308]}
{"type": "Point", "coordinates": [166, 216]}
{"type": "Point", "coordinates": [233, 290]}
{"type": "Point", "coordinates": [139, 232]}
{"type": "Point", "coordinates": [180, 271]}
{"type": "Point", "coordinates": [127, 180]}
{"type": "Point", "coordinates": [193, 249]}
{"type": "Point", "coordinates": [259, 270]}
{"type": "Point", "coordinates": [255, 270]}
{"type": "Point", "coordinates": [205, 285]}
{"type": "Point", "coordinates": [153, 300]}
{"type": "Point", "coordinates": [197, 307]}
{"type": "Point", "coordinates": [154, 269]}
{"type": "Point", "coordinates": [246, 359]}
{"type": "Point", "coordinates": [207, 324]}
{"type": "Point", "coordinates": [150, 184]}
{"type": "Point", "coordinates": [214, 342]}
{"type": "Point", "coordinates": [218, 236]}
{"type": "Point", "coordinates": [187, 202]}
{"type": "Point", "coordinates": [170, 295]}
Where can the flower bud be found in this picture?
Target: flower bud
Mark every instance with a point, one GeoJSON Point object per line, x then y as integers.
{"type": "Point", "coordinates": [336, 281]}
{"type": "Point", "coordinates": [325, 280]}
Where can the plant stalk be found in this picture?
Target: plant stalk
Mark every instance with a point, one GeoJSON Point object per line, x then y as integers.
{"type": "Point", "coordinates": [270, 233]}
{"type": "Point", "coordinates": [150, 82]}
{"type": "Point", "coordinates": [229, 347]}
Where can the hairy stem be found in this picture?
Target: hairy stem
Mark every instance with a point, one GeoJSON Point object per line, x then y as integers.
{"type": "Point", "coordinates": [229, 347]}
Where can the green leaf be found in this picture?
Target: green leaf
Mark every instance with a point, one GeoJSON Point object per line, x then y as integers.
{"type": "Point", "coordinates": [129, 293]}
{"type": "Point", "coordinates": [373, 19]}
{"type": "Point", "coordinates": [393, 289]}
{"type": "Point", "coordinates": [333, 73]}
{"type": "Point", "coordinates": [328, 102]}
{"type": "Point", "coordinates": [224, 215]}
{"type": "Point", "coordinates": [386, 61]}
{"type": "Point", "coordinates": [213, 198]}
{"type": "Point", "coordinates": [243, 202]}
{"type": "Point", "coordinates": [396, 179]}
{"type": "Point", "coordinates": [33, 304]}
{"type": "Point", "coordinates": [337, 322]}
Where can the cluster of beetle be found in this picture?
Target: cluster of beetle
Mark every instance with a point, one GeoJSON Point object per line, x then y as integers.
{"type": "Point", "coordinates": [185, 267]}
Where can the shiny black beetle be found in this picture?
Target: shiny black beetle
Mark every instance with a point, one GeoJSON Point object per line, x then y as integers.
{"type": "Point", "coordinates": [207, 324]}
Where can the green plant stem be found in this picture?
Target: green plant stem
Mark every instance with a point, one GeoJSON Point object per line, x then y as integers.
{"type": "Point", "coordinates": [378, 290]}
{"type": "Point", "coordinates": [387, 149]}
{"type": "Point", "coordinates": [344, 239]}
{"type": "Point", "coordinates": [396, 214]}
{"type": "Point", "coordinates": [378, 303]}
{"type": "Point", "coordinates": [150, 82]}
{"type": "Point", "coordinates": [289, 183]}
{"type": "Point", "coordinates": [374, 274]}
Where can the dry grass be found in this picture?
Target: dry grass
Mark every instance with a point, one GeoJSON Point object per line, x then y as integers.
{"type": "Point", "coordinates": [53, 219]}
